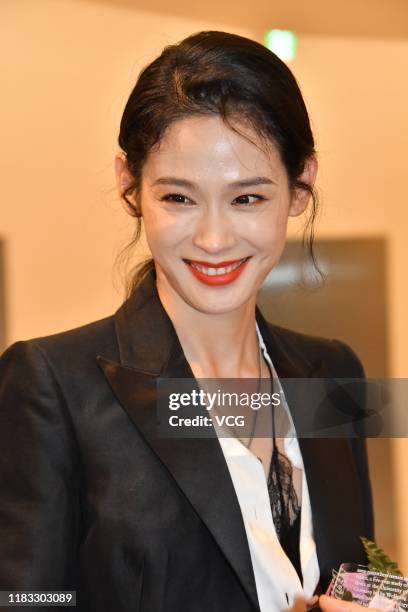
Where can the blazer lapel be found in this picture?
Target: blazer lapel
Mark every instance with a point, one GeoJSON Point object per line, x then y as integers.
{"type": "Point", "coordinates": [149, 348]}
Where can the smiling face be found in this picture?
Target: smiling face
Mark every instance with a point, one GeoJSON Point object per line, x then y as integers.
{"type": "Point", "coordinates": [215, 208]}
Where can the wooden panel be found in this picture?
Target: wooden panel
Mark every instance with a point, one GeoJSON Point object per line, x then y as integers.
{"type": "Point", "coordinates": [351, 306]}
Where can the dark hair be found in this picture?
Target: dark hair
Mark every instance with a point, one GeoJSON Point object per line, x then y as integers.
{"type": "Point", "coordinates": [225, 74]}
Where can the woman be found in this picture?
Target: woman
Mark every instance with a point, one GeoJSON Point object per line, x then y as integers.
{"type": "Point", "coordinates": [216, 154]}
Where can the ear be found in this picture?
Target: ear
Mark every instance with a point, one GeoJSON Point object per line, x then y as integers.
{"type": "Point", "coordinates": [124, 179]}
{"type": "Point", "coordinates": [300, 197]}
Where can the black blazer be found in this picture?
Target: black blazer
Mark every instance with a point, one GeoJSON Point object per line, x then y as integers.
{"type": "Point", "coordinates": [93, 500]}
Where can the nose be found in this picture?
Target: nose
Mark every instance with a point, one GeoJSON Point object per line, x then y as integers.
{"type": "Point", "coordinates": [214, 232]}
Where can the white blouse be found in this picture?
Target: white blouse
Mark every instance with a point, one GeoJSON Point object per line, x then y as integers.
{"type": "Point", "coordinates": [276, 579]}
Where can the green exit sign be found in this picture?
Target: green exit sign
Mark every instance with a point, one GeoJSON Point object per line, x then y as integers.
{"type": "Point", "coordinates": [282, 42]}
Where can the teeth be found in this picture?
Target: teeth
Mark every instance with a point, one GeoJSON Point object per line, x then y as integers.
{"type": "Point", "coordinates": [217, 271]}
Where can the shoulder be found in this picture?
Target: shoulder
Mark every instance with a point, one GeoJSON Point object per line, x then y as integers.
{"type": "Point", "coordinates": [65, 353]}
{"type": "Point", "coordinates": [339, 359]}
{"type": "Point", "coordinates": [89, 339]}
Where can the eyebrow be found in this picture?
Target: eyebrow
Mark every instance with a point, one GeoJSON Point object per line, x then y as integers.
{"type": "Point", "coordinates": [179, 182]}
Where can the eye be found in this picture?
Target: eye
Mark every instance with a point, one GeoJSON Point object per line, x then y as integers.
{"type": "Point", "coordinates": [248, 199]}
{"type": "Point", "coordinates": [178, 198]}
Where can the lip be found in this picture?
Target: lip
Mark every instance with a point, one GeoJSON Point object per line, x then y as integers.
{"type": "Point", "coordinates": [210, 264]}
{"type": "Point", "coordinates": [217, 280]}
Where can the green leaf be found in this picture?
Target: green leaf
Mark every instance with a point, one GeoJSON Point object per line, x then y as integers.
{"type": "Point", "coordinates": [378, 560]}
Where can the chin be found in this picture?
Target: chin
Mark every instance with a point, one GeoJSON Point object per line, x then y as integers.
{"type": "Point", "coordinates": [217, 310]}
{"type": "Point", "coordinates": [217, 304]}
{"type": "Point", "coordinates": [207, 299]}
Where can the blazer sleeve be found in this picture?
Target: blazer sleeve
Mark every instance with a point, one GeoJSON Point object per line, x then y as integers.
{"type": "Point", "coordinates": [39, 493]}
{"type": "Point", "coordinates": [353, 368]}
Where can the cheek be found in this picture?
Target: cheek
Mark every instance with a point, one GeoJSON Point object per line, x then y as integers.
{"type": "Point", "coordinates": [268, 231]}
{"type": "Point", "coordinates": [163, 231]}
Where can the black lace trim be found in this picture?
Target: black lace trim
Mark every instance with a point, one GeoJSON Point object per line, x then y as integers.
{"type": "Point", "coordinates": [284, 500]}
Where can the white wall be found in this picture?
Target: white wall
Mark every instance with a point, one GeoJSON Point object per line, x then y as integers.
{"type": "Point", "coordinates": [68, 68]}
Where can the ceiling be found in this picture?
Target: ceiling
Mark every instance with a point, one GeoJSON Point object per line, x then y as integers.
{"type": "Point", "coordinates": [372, 18]}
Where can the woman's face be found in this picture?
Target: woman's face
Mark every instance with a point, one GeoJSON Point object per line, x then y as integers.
{"type": "Point", "coordinates": [215, 208]}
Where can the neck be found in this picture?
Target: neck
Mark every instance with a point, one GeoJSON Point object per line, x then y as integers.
{"type": "Point", "coordinates": [220, 345]}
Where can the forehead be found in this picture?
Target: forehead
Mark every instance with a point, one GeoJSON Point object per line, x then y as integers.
{"type": "Point", "coordinates": [207, 146]}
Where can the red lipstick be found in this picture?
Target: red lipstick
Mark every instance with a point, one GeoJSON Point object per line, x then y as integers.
{"type": "Point", "coordinates": [210, 264]}
{"type": "Point", "coordinates": [215, 279]}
